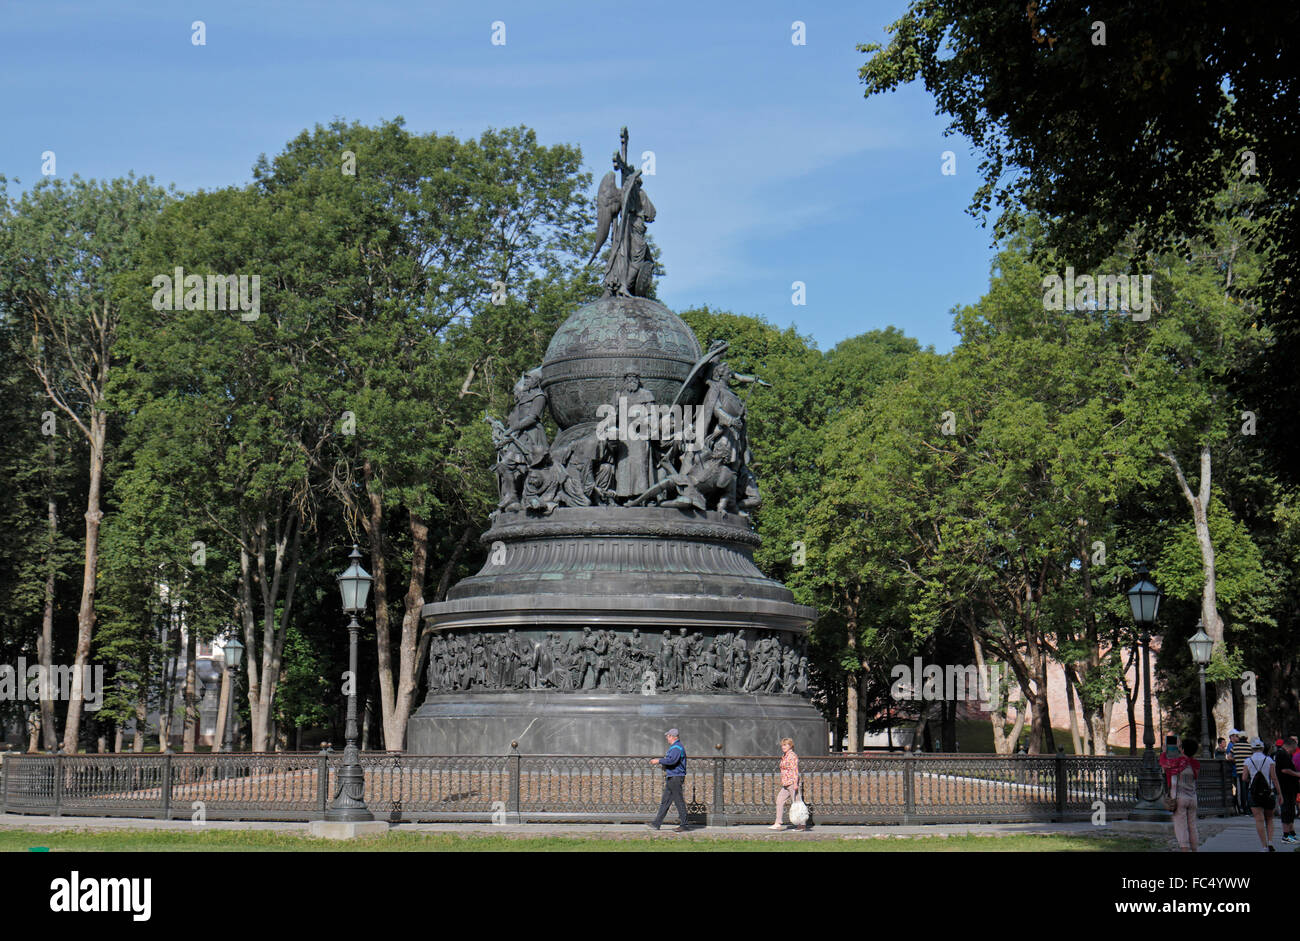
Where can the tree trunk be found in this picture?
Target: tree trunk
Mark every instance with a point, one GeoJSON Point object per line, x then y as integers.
{"type": "Point", "coordinates": [1130, 702]}
{"type": "Point", "coordinates": [276, 586]}
{"type": "Point", "coordinates": [408, 680]}
{"type": "Point", "coordinates": [948, 727]}
{"type": "Point", "coordinates": [246, 617]}
{"type": "Point", "coordinates": [1222, 714]}
{"type": "Point", "coordinates": [1016, 728]}
{"type": "Point", "coordinates": [1041, 739]}
{"type": "Point", "coordinates": [1101, 729]}
{"type": "Point", "coordinates": [1028, 708]}
{"type": "Point", "coordinates": [45, 646]}
{"type": "Point", "coordinates": [1000, 698]}
{"type": "Point", "coordinates": [373, 522]}
{"type": "Point", "coordinates": [190, 728]}
{"type": "Point", "coordinates": [1075, 736]}
{"type": "Point", "coordinates": [141, 720]}
{"type": "Point", "coordinates": [90, 571]}
{"type": "Point", "coordinates": [1099, 733]}
{"type": "Point", "coordinates": [997, 711]}
{"type": "Point", "coordinates": [223, 707]}
{"type": "Point", "coordinates": [1250, 716]}
{"type": "Point", "coordinates": [1096, 712]}
{"type": "Point", "coordinates": [851, 680]}
{"type": "Point", "coordinates": [34, 730]}
{"type": "Point", "coordinates": [841, 726]}
{"type": "Point", "coordinates": [171, 666]}
{"type": "Point", "coordinates": [862, 706]}
{"type": "Point", "coordinates": [920, 731]}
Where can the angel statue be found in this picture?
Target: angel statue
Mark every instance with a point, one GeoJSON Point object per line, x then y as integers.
{"type": "Point", "coordinates": [626, 208]}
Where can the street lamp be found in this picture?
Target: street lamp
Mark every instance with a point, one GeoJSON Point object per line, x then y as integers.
{"type": "Point", "coordinates": [233, 651]}
{"type": "Point", "coordinates": [349, 804]}
{"type": "Point", "coordinates": [1202, 650]}
{"type": "Point", "coordinates": [1144, 600]}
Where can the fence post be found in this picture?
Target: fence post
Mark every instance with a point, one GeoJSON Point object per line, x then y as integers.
{"type": "Point", "coordinates": [1062, 783]}
{"type": "Point", "coordinates": [512, 816]}
{"type": "Point", "coordinates": [909, 795]}
{"type": "Point", "coordinates": [58, 784]}
{"type": "Point", "coordinates": [323, 780]}
{"type": "Point", "coordinates": [4, 783]}
{"type": "Point", "coordinates": [718, 816]}
{"type": "Point", "coordinates": [167, 786]}
{"type": "Point", "coordinates": [1226, 801]}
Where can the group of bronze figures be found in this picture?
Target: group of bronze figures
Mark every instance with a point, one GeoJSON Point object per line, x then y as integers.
{"type": "Point", "coordinates": [619, 662]}
{"type": "Point", "coordinates": [634, 452]}
{"type": "Point", "coordinates": [680, 455]}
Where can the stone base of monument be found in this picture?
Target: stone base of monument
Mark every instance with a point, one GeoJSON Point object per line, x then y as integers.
{"type": "Point", "coordinates": [578, 614]}
{"type": "Point", "coordinates": [328, 830]}
{"type": "Point", "coordinates": [595, 723]}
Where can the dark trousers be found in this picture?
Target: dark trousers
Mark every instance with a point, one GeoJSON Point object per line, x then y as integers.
{"type": "Point", "coordinates": [1286, 809]}
{"type": "Point", "coordinates": [673, 796]}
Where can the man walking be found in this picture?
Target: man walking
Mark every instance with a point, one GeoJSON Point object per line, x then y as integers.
{"type": "Point", "coordinates": [1288, 780]}
{"type": "Point", "coordinates": [674, 765]}
{"type": "Point", "coordinates": [1238, 752]}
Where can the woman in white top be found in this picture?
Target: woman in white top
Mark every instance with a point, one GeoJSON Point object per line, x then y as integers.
{"type": "Point", "coordinates": [1260, 806]}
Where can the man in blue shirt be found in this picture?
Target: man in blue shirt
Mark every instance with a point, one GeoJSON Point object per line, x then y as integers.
{"type": "Point", "coordinates": [674, 765]}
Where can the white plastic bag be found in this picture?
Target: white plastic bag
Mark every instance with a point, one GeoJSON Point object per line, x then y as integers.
{"type": "Point", "coordinates": [798, 811]}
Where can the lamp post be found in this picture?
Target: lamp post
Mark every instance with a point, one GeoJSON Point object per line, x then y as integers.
{"type": "Point", "coordinates": [349, 804]}
{"type": "Point", "coordinates": [1202, 649]}
{"type": "Point", "coordinates": [1144, 600]}
{"type": "Point", "coordinates": [233, 652]}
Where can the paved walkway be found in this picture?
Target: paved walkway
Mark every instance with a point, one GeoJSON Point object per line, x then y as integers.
{"type": "Point", "coordinates": [1208, 829]}
{"type": "Point", "coordinates": [1239, 836]}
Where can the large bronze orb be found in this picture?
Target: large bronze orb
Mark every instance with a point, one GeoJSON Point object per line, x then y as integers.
{"type": "Point", "coordinates": [602, 342]}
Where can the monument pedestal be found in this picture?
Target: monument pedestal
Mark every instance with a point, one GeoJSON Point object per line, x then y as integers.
{"type": "Point", "coordinates": [591, 632]}
{"type": "Point", "coordinates": [588, 723]}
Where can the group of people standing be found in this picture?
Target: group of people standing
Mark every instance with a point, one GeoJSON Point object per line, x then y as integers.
{"type": "Point", "coordinates": [1265, 784]}
{"type": "Point", "coordinates": [1268, 781]}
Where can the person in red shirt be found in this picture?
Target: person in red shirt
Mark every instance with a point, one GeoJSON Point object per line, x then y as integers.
{"type": "Point", "coordinates": [1181, 775]}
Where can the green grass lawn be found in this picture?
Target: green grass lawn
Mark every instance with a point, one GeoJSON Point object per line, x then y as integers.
{"type": "Point", "coordinates": [21, 841]}
{"type": "Point", "coordinates": [976, 735]}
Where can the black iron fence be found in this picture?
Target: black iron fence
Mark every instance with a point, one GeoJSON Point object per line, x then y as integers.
{"type": "Point", "coordinates": [919, 788]}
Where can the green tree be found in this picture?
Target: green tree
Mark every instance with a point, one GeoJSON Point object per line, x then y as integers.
{"type": "Point", "coordinates": [1181, 400]}
{"type": "Point", "coordinates": [445, 254]}
{"type": "Point", "coordinates": [39, 545]}
{"type": "Point", "coordinates": [66, 247]}
{"type": "Point", "coordinates": [225, 398]}
{"type": "Point", "coordinates": [1123, 118]}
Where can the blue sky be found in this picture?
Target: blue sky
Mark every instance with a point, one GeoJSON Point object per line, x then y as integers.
{"type": "Point", "coordinates": [771, 166]}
